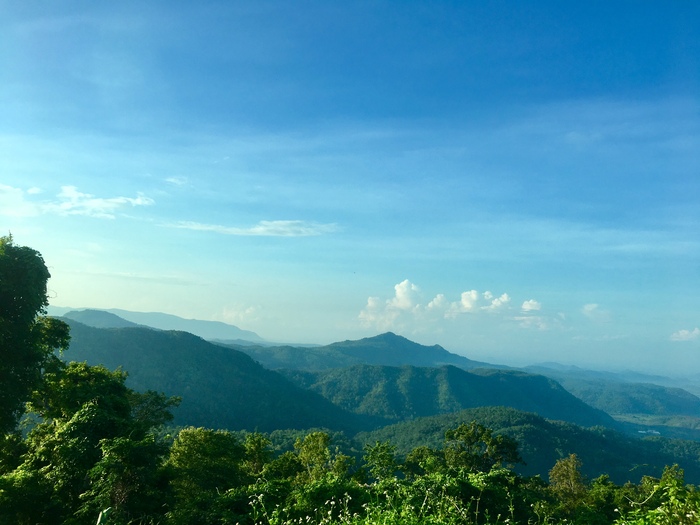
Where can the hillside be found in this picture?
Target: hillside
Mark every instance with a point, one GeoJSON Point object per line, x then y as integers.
{"type": "Point", "coordinates": [99, 319]}
{"type": "Point", "coordinates": [636, 398]}
{"type": "Point", "coordinates": [220, 387]}
{"type": "Point", "coordinates": [386, 349]}
{"type": "Point", "coordinates": [543, 442]}
{"type": "Point", "coordinates": [401, 393]}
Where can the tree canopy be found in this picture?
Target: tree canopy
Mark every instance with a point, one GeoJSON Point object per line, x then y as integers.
{"type": "Point", "coordinates": [28, 339]}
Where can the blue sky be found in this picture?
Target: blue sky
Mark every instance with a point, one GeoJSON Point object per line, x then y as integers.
{"type": "Point", "coordinates": [518, 182]}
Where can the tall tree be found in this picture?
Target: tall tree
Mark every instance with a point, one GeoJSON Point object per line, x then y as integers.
{"type": "Point", "coordinates": [28, 339]}
{"type": "Point", "coordinates": [474, 447]}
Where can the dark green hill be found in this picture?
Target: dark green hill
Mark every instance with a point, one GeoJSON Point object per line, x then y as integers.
{"type": "Point", "coordinates": [400, 393]}
{"type": "Point", "coordinates": [386, 349]}
{"type": "Point", "coordinates": [543, 442]}
{"type": "Point", "coordinates": [220, 387]}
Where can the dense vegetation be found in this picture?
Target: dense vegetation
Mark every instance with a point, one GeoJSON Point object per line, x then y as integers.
{"type": "Point", "coordinates": [408, 392]}
{"type": "Point", "coordinates": [219, 387]}
{"type": "Point", "coordinates": [91, 449]}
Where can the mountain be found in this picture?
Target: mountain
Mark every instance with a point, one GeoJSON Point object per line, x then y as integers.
{"type": "Point", "coordinates": [408, 392]}
{"type": "Point", "coordinates": [622, 393]}
{"type": "Point", "coordinates": [386, 349]}
{"type": "Point", "coordinates": [543, 442]}
{"type": "Point", "coordinates": [209, 330]}
{"type": "Point", "coordinates": [220, 387]}
{"type": "Point", "coordinates": [98, 319]}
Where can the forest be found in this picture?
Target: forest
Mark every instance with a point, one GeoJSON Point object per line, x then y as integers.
{"type": "Point", "coordinates": [84, 443]}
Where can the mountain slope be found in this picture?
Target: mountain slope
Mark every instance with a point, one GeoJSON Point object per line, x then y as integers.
{"type": "Point", "coordinates": [220, 387]}
{"type": "Point", "coordinates": [99, 319]}
{"type": "Point", "coordinates": [400, 393]}
{"type": "Point", "coordinates": [543, 442]}
{"type": "Point", "coordinates": [386, 349]}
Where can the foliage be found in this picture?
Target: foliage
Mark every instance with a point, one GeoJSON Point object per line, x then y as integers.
{"type": "Point", "coordinates": [219, 387]}
{"type": "Point", "coordinates": [28, 339]}
{"type": "Point", "coordinates": [474, 447]}
{"type": "Point", "coordinates": [92, 447]}
{"type": "Point", "coordinates": [409, 392]}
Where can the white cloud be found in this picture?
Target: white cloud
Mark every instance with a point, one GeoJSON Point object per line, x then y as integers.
{"type": "Point", "coordinates": [177, 181]}
{"type": "Point", "coordinates": [686, 335]}
{"type": "Point", "coordinates": [69, 201]}
{"type": "Point", "coordinates": [440, 302]}
{"type": "Point", "coordinates": [386, 315]}
{"type": "Point", "coordinates": [532, 321]}
{"type": "Point", "coordinates": [531, 306]}
{"type": "Point", "coordinates": [14, 204]}
{"type": "Point", "coordinates": [72, 202]}
{"type": "Point", "coordinates": [377, 315]}
{"type": "Point", "coordinates": [406, 294]}
{"type": "Point", "coordinates": [469, 300]}
{"type": "Point", "coordinates": [240, 314]}
{"type": "Point", "coordinates": [405, 311]}
{"type": "Point", "coordinates": [264, 228]}
{"type": "Point", "coordinates": [498, 303]}
{"type": "Point", "coordinates": [595, 313]}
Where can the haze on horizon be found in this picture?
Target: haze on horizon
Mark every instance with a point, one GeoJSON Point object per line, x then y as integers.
{"type": "Point", "coordinates": [516, 182]}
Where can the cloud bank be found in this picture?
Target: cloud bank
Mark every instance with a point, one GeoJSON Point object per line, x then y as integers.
{"type": "Point", "coordinates": [406, 309]}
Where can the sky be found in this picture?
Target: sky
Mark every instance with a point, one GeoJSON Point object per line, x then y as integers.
{"type": "Point", "coordinates": [518, 182]}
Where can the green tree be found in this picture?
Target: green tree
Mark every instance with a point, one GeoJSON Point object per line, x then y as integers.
{"type": "Point", "coordinates": [423, 460]}
{"type": "Point", "coordinates": [258, 453]}
{"type": "Point", "coordinates": [566, 481]}
{"type": "Point", "coordinates": [28, 339]}
{"type": "Point", "coordinates": [205, 464]}
{"type": "Point", "coordinates": [475, 448]}
{"type": "Point", "coordinates": [380, 458]}
{"type": "Point", "coordinates": [314, 454]}
{"type": "Point", "coordinates": [88, 449]}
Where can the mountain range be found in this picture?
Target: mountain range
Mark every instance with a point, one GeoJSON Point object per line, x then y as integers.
{"type": "Point", "coordinates": [211, 330]}
{"type": "Point", "coordinates": [375, 385]}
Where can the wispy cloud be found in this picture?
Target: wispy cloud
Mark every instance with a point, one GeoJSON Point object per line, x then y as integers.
{"type": "Point", "coordinates": [594, 312]}
{"type": "Point", "coordinates": [72, 202]}
{"type": "Point", "coordinates": [264, 228]}
{"type": "Point", "coordinates": [686, 335]}
{"type": "Point", "coordinates": [177, 181]}
{"type": "Point", "coordinates": [69, 201]}
{"type": "Point", "coordinates": [14, 204]}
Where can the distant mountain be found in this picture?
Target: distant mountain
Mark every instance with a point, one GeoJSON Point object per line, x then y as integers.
{"type": "Point", "coordinates": [99, 319]}
{"type": "Point", "coordinates": [220, 387]}
{"type": "Point", "coordinates": [408, 392]}
{"type": "Point", "coordinates": [209, 330]}
{"type": "Point", "coordinates": [386, 349]}
{"type": "Point", "coordinates": [543, 442]}
{"type": "Point", "coordinates": [624, 393]}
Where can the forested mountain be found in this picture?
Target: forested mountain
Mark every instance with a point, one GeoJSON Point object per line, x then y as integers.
{"type": "Point", "coordinates": [637, 398]}
{"type": "Point", "coordinates": [621, 394]}
{"type": "Point", "coordinates": [407, 392]}
{"type": "Point", "coordinates": [386, 349]}
{"type": "Point", "coordinates": [543, 442]}
{"type": "Point", "coordinates": [220, 387]}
